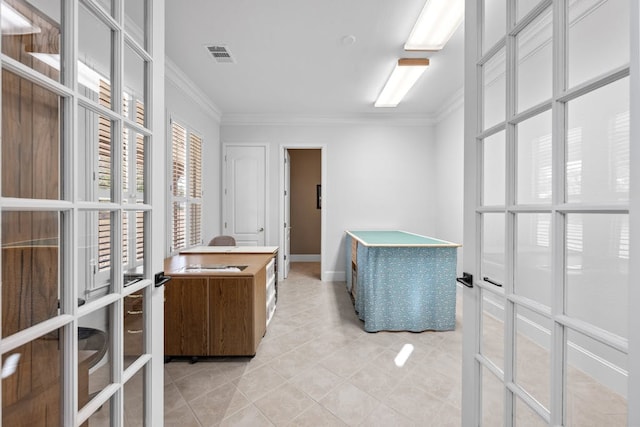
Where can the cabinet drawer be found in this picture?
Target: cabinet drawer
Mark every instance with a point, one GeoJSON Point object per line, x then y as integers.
{"type": "Point", "coordinates": [133, 324]}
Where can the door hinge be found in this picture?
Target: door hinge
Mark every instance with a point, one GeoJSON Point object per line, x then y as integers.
{"type": "Point", "coordinates": [285, 225]}
{"type": "Point", "coordinates": [225, 224]}
{"type": "Point", "coordinates": [285, 192]}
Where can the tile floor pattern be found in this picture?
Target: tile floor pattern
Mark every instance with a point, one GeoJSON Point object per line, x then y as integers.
{"type": "Point", "coordinates": [316, 366]}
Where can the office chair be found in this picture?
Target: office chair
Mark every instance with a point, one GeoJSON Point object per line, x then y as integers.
{"type": "Point", "coordinates": [223, 241]}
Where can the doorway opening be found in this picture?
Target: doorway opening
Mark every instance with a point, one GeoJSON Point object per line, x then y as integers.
{"type": "Point", "coordinates": [302, 206]}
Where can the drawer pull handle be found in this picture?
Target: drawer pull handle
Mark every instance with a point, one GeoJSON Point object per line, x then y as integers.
{"type": "Point", "coordinates": [134, 312]}
{"type": "Point", "coordinates": [134, 331]}
{"type": "Point", "coordinates": [135, 296]}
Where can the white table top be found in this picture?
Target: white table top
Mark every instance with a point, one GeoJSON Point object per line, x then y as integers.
{"type": "Point", "coordinates": [231, 250]}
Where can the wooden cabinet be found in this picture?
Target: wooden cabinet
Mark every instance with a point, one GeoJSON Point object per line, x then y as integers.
{"type": "Point", "coordinates": [215, 314]}
{"type": "Point", "coordinates": [237, 319]}
{"type": "Point", "coordinates": [186, 317]}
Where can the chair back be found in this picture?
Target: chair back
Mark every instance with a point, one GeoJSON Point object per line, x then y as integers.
{"type": "Point", "coordinates": [223, 241]}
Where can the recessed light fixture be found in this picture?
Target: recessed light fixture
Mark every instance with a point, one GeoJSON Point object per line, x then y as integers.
{"type": "Point", "coordinates": [436, 24]}
{"type": "Point", "coordinates": [405, 74]}
{"type": "Point", "coordinates": [348, 40]}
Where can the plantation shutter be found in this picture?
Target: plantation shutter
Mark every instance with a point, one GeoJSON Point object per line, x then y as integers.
{"type": "Point", "coordinates": [178, 182]}
{"type": "Point", "coordinates": [195, 188]}
{"type": "Point", "coordinates": [104, 178]}
{"type": "Point", "coordinates": [140, 119]}
{"type": "Point", "coordinates": [126, 135]}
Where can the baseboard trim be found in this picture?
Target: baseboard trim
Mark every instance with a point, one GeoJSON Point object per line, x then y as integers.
{"type": "Point", "coordinates": [305, 258]}
{"type": "Point", "coordinates": [334, 276]}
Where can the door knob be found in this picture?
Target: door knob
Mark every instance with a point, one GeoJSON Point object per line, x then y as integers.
{"type": "Point", "coordinates": [261, 229]}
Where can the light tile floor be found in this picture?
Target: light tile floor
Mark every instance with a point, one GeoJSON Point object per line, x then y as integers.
{"type": "Point", "coordinates": [316, 366]}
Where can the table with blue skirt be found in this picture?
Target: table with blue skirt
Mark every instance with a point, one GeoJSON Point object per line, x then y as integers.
{"type": "Point", "coordinates": [402, 281]}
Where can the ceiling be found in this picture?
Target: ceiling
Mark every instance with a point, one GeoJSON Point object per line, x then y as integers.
{"type": "Point", "coordinates": [294, 57]}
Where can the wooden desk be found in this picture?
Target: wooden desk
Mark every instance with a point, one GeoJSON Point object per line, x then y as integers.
{"type": "Point", "coordinates": [210, 311]}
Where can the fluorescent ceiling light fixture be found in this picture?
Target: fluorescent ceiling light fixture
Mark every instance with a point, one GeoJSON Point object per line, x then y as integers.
{"type": "Point", "coordinates": [87, 76]}
{"type": "Point", "coordinates": [14, 23]}
{"type": "Point", "coordinates": [402, 79]}
{"type": "Point", "coordinates": [436, 24]}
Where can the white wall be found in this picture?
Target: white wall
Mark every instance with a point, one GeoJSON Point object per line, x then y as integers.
{"type": "Point", "coordinates": [184, 105]}
{"type": "Point", "coordinates": [378, 176]}
{"type": "Point", "coordinates": [449, 185]}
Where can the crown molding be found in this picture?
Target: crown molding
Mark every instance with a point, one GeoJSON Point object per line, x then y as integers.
{"type": "Point", "coordinates": [174, 74]}
{"type": "Point", "coordinates": [379, 119]}
{"type": "Point", "coordinates": [455, 102]}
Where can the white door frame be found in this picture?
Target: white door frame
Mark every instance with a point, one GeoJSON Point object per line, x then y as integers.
{"type": "Point", "coordinates": [471, 389]}
{"type": "Point", "coordinates": [325, 204]}
{"type": "Point", "coordinates": [285, 247]}
{"type": "Point", "coordinates": [633, 397]}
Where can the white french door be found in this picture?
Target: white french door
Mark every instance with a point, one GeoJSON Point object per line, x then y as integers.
{"type": "Point", "coordinates": [547, 223]}
{"type": "Point", "coordinates": [82, 138]}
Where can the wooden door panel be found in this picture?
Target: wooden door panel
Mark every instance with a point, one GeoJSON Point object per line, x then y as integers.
{"type": "Point", "coordinates": [232, 317]}
{"type": "Point", "coordinates": [186, 315]}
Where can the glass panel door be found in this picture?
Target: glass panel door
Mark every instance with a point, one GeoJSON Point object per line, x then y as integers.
{"type": "Point", "coordinates": [77, 290]}
{"type": "Point", "coordinates": [547, 224]}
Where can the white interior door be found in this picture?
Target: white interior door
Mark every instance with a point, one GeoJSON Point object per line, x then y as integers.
{"type": "Point", "coordinates": [546, 336]}
{"type": "Point", "coordinates": [244, 193]}
{"type": "Point", "coordinates": [287, 214]}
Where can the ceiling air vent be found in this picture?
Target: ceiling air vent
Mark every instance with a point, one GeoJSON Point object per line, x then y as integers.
{"type": "Point", "coordinates": [220, 54]}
